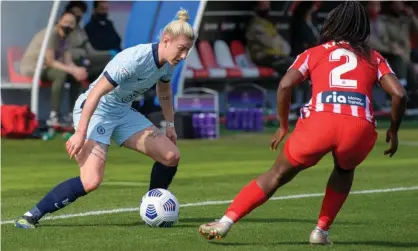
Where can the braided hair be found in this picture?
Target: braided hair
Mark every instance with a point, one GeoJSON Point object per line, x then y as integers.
{"type": "Point", "coordinates": [348, 22]}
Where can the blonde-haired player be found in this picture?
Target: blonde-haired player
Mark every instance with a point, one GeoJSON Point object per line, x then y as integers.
{"type": "Point", "coordinates": [104, 112]}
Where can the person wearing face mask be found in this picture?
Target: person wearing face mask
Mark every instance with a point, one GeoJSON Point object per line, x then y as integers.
{"type": "Point", "coordinates": [266, 46]}
{"type": "Point", "coordinates": [100, 29]}
{"type": "Point", "coordinates": [59, 67]}
{"type": "Point", "coordinates": [84, 54]}
{"type": "Point", "coordinates": [303, 34]}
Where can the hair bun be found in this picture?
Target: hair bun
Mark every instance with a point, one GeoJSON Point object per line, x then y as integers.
{"type": "Point", "coordinates": [183, 15]}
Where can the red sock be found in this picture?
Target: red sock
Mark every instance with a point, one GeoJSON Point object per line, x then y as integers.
{"type": "Point", "coordinates": [250, 197]}
{"type": "Point", "coordinates": [331, 205]}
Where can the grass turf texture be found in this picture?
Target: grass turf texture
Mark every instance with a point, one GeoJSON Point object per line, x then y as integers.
{"type": "Point", "coordinates": [210, 170]}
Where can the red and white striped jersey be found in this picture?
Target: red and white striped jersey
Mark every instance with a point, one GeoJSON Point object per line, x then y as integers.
{"type": "Point", "coordinates": [341, 81]}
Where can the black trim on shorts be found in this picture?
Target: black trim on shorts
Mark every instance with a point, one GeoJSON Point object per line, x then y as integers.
{"type": "Point", "coordinates": [110, 79]}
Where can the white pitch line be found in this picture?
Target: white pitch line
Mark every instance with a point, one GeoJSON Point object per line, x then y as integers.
{"type": "Point", "coordinates": [220, 202]}
{"type": "Point", "coordinates": [408, 143]}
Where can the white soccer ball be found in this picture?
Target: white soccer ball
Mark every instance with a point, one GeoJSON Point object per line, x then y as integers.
{"type": "Point", "coordinates": [159, 208]}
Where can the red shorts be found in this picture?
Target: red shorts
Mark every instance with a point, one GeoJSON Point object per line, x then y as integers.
{"type": "Point", "coordinates": [350, 139]}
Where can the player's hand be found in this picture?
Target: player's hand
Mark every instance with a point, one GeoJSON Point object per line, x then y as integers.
{"type": "Point", "coordinates": [278, 137]}
{"type": "Point", "coordinates": [391, 137]}
{"type": "Point", "coordinates": [170, 132]}
{"type": "Point", "coordinates": [74, 144]}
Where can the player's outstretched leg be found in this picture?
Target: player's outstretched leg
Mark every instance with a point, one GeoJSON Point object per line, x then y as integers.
{"type": "Point", "coordinates": [338, 188]}
{"type": "Point", "coordinates": [153, 143]}
{"type": "Point", "coordinates": [252, 196]}
{"type": "Point", "coordinates": [91, 159]}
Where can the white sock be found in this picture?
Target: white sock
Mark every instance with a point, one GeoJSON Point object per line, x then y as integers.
{"type": "Point", "coordinates": [28, 214]}
{"type": "Point", "coordinates": [323, 231]}
{"type": "Point", "coordinates": [226, 219]}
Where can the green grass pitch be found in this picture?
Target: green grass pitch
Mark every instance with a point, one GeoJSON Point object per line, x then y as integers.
{"type": "Point", "coordinates": [210, 171]}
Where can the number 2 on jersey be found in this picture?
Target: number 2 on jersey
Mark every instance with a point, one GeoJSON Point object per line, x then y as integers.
{"type": "Point", "coordinates": [335, 74]}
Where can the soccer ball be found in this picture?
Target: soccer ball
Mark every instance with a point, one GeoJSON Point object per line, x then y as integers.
{"type": "Point", "coordinates": [159, 208]}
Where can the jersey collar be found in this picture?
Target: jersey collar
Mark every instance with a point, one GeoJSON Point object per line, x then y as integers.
{"type": "Point", "coordinates": [155, 55]}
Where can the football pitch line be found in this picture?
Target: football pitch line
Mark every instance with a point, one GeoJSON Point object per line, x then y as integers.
{"type": "Point", "coordinates": [220, 202]}
{"type": "Point", "coordinates": [408, 143]}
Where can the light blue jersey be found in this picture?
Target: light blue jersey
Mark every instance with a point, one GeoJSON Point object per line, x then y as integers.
{"type": "Point", "coordinates": [132, 72]}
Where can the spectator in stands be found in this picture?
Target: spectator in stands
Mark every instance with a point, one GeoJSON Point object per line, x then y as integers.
{"type": "Point", "coordinates": [266, 46]}
{"type": "Point", "coordinates": [303, 34]}
{"type": "Point", "coordinates": [399, 20]}
{"type": "Point", "coordinates": [81, 49]}
{"type": "Point", "coordinates": [100, 29]}
{"type": "Point", "coordinates": [59, 67]}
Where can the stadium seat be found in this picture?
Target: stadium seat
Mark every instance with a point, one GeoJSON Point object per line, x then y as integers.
{"type": "Point", "coordinates": [194, 66]}
{"type": "Point", "coordinates": [224, 59]}
{"type": "Point", "coordinates": [242, 60]}
{"type": "Point", "coordinates": [209, 62]}
{"type": "Point", "coordinates": [14, 56]}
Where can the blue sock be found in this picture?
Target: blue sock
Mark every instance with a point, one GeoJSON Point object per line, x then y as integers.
{"type": "Point", "coordinates": [59, 197]}
{"type": "Point", "coordinates": [161, 176]}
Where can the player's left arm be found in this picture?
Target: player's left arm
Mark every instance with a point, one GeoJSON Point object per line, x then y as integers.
{"type": "Point", "coordinates": [165, 96]}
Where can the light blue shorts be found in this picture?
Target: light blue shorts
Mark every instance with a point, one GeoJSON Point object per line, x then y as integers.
{"type": "Point", "coordinates": [103, 127]}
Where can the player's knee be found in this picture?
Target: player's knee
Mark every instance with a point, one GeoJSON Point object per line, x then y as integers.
{"type": "Point", "coordinates": [91, 183]}
{"type": "Point", "coordinates": [171, 158]}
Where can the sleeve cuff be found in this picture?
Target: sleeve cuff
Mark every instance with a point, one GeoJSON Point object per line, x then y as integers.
{"type": "Point", "coordinates": [110, 79]}
{"type": "Point", "coordinates": [165, 80]}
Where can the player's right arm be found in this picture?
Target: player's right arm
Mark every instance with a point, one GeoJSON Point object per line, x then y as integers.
{"type": "Point", "coordinates": [76, 142]}
{"type": "Point", "coordinates": [390, 84]}
{"type": "Point", "coordinates": [115, 73]}
{"type": "Point", "coordinates": [297, 72]}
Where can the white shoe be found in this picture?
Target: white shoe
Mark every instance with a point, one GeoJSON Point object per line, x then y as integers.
{"type": "Point", "coordinates": [214, 230]}
{"type": "Point", "coordinates": [320, 237]}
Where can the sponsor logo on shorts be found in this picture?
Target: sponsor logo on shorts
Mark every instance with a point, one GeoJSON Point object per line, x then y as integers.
{"type": "Point", "coordinates": [344, 98]}
{"type": "Point", "coordinates": [101, 130]}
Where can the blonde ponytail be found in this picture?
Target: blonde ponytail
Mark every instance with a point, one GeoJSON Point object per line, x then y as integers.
{"type": "Point", "coordinates": [180, 26]}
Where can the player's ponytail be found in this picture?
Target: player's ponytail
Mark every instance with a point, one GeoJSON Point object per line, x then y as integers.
{"type": "Point", "coordinates": [180, 26]}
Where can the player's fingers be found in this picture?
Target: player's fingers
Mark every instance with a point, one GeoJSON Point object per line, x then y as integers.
{"type": "Point", "coordinates": [272, 144]}
{"type": "Point", "coordinates": [276, 143]}
{"type": "Point", "coordinates": [394, 150]}
{"type": "Point", "coordinates": [74, 152]}
{"type": "Point", "coordinates": [69, 145]}
{"type": "Point", "coordinates": [70, 151]}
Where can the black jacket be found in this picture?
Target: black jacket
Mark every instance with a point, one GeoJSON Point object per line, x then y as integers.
{"type": "Point", "coordinates": [102, 34]}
